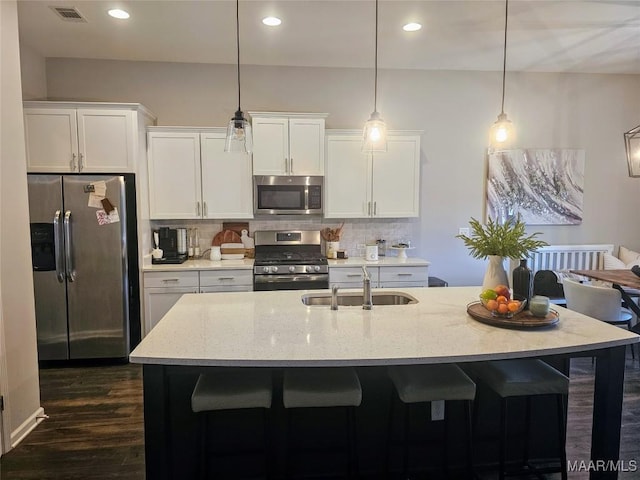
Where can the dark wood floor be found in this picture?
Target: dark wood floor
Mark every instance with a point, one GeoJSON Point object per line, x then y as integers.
{"type": "Point", "coordinates": [95, 425]}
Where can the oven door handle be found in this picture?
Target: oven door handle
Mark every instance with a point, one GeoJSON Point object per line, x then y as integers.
{"type": "Point", "coordinates": [289, 278]}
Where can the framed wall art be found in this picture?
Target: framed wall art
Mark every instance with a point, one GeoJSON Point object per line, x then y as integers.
{"type": "Point", "coordinates": [543, 186]}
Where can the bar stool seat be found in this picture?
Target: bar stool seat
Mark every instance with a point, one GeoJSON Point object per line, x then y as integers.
{"type": "Point", "coordinates": [324, 387]}
{"type": "Point", "coordinates": [525, 378]}
{"type": "Point", "coordinates": [429, 383]}
{"type": "Point", "coordinates": [231, 389]}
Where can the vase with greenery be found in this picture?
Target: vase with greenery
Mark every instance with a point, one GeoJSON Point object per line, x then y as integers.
{"type": "Point", "coordinates": [499, 241]}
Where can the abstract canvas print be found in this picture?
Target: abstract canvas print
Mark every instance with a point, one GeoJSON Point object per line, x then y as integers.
{"type": "Point", "coordinates": [543, 186]}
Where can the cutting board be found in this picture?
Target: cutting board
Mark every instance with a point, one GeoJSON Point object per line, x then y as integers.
{"type": "Point", "coordinates": [225, 236]}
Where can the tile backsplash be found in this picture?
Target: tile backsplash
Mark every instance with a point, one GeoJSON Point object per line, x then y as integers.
{"type": "Point", "coordinates": [355, 233]}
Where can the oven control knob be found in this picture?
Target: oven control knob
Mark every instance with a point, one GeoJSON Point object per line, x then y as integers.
{"type": "Point", "coordinates": [265, 269]}
{"type": "Point", "coordinates": [309, 269]}
{"type": "Point", "coordinates": [316, 268]}
{"type": "Point", "coordinates": [292, 269]}
{"type": "Point", "coordinates": [274, 269]}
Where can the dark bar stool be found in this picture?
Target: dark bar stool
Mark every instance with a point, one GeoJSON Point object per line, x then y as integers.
{"type": "Point", "coordinates": [231, 389]}
{"type": "Point", "coordinates": [423, 384]}
{"type": "Point", "coordinates": [325, 387]}
{"type": "Point", "coordinates": [525, 378]}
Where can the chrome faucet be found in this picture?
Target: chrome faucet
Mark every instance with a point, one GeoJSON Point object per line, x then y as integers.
{"type": "Point", "coordinates": [334, 297]}
{"type": "Point", "coordinates": [367, 301]}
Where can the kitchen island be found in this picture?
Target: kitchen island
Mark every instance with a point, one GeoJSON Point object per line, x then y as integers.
{"type": "Point", "coordinates": [276, 330]}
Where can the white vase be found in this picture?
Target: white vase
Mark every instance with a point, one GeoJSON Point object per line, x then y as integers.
{"type": "Point", "coordinates": [495, 274]}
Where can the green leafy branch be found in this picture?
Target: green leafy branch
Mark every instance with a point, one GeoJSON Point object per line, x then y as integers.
{"type": "Point", "coordinates": [506, 240]}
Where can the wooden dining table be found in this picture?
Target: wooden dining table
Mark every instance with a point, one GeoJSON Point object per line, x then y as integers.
{"type": "Point", "coordinates": [619, 280]}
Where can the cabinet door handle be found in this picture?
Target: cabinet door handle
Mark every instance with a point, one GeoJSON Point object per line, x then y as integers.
{"type": "Point", "coordinates": [375, 208]}
{"type": "Point", "coordinates": [170, 280]}
{"type": "Point", "coordinates": [225, 278]}
{"type": "Point", "coordinates": [204, 209]}
{"type": "Point", "coordinates": [405, 274]}
{"type": "Point", "coordinates": [286, 165]}
{"type": "Point", "coordinates": [73, 161]}
{"type": "Point", "coordinates": [354, 275]}
{"type": "Point", "coordinates": [291, 166]}
{"type": "Point", "coordinates": [198, 209]}
{"type": "Point", "coordinates": [80, 165]}
{"type": "Point", "coordinates": [369, 208]}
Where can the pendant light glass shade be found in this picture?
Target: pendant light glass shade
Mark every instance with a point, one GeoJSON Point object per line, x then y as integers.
{"type": "Point", "coordinates": [374, 135]}
{"type": "Point", "coordinates": [502, 134]}
{"type": "Point", "coordinates": [632, 146]}
{"type": "Point", "coordinates": [239, 138]}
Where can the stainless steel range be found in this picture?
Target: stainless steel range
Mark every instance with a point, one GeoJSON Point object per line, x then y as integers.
{"type": "Point", "coordinates": [289, 260]}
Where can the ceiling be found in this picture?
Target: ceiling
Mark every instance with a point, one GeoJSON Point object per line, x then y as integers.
{"type": "Point", "coordinates": [592, 36]}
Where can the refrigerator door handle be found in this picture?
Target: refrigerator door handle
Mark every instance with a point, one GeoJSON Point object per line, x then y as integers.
{"type": "Point", "coordinates": [57, 240]}
{"type": "Point", "coordinates": [71, 274]}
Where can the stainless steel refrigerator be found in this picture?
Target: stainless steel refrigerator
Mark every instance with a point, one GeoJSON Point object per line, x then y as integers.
{"type": "Point", "coordinates": [85, 267]}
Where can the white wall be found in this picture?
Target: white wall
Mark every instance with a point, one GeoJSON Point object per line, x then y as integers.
{"type": "Point", "coordinates": [455, 110]}
{"type": "Point", "coordinates": [17, 312]}
{"type": "Point", "coordinates": [34, 77]}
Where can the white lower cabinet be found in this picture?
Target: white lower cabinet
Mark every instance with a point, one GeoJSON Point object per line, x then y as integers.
{"type": "Point", "coordinates": [226, 281]}
{"type": "Point", "coordinates": [381, 276]}
{"type": "Point", "coordinates": [163, 289]}
{"type": "Point", "coordinates": [398, 277]}
{"type": "Point", "coordinates": [352, 277]}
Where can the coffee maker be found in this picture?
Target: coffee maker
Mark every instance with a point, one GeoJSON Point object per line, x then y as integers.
{"type": "Point", "coordinates": [173, 251]}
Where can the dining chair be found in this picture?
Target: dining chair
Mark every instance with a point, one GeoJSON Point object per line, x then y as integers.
{"type": "Point", "coordinates": [603, 303]}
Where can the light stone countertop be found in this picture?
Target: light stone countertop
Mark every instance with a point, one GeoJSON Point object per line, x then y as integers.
{"type": "Point", "coordinates": [247, 264]}
{"type": "Point", "coordinates": [381, 262]}
{"type": "Point", "coordinates": [275, 329]}
{"type": "Point", "coordinates": [200, 264]}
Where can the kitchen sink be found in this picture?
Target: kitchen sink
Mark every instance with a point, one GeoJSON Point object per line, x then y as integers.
{"type": "Point", "coordinates": [354, 299]}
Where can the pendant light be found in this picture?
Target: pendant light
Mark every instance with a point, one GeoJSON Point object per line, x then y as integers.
{"type": "Point", "coordinates": [375, 130]}
{"type": "Point", "coordinates": [632, 146]}
{"type": "Point", "coordinates": [502, 132]}
{"type": "Point", "coordinates": [239, 137]}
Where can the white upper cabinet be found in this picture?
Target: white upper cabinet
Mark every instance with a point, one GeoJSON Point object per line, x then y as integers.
{"type": "Point", "coordinates": [226, 179]}
{"type": "Point", "coordinates": [288, 143]}
{"type": "Point", "coordinates": [175, 189]}
{"type": "Point", "coordinates": [380, 185]}
{"type": "Point", "coordinates": [82, 138]}
{"type": "Point", "coordinates": [191, 177]}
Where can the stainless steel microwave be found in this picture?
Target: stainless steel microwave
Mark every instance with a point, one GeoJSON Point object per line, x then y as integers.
{"type": "Point", "coordinates": [287, 195]}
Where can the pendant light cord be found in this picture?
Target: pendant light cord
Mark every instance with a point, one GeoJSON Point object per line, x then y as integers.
{"type": "Point", "coordinates": [504, 52]}
{"type": "Point", "coordinates": [375, 87]}
{"type": "Point", "coordinates": [238, 46]}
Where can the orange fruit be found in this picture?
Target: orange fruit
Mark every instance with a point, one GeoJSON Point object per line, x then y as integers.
{"type": "Point", "coordinates": [513, 305]}
{"type": "Point", "coordinates": [503, 308]}
{"type": "Point", "coordinates": [501, 299]}
{"type": "Point", "coordinates": [492, 305]}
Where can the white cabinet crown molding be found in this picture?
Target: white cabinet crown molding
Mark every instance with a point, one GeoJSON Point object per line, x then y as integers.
{"type": "Point", "coordinates": [95, 105]}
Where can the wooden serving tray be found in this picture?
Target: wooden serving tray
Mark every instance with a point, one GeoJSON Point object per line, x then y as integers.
{"type": "Point", "coordinates": [523, 319]}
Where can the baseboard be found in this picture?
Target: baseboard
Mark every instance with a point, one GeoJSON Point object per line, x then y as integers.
{"type": "Point", "coordinates": [27, 426]}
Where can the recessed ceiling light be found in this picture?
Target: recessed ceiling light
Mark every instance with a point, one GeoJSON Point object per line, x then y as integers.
{"type": "Point", "coordinates": [118, 13]}
{"type": "Point", "coordinates": [412, 27]}
{"type": "Point", "coordinates": [271, 21]}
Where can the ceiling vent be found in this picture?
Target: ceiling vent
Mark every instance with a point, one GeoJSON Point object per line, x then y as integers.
{"type": "Point", "coordinates": [69, 14]}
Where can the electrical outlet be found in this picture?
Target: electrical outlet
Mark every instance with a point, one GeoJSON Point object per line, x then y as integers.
{"type": "Point", "coordinates": [437, 410]}
{"type": "Point", "coordinates": [463, 231]}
